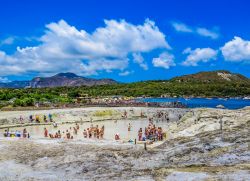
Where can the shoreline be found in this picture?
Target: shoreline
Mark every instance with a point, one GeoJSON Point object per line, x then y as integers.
{"type": "Point", "coordinates": [135, 104]}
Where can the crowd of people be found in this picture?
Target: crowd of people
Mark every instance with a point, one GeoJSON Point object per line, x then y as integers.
{"type": "Point", "coordinates": [94, 131]}
{"type": "Point", "coordinates": [151, 132]}
{"type": "Point", "coordinates": [37, 118]}
{"type": "Point", "coordinates": [18, 134]}
{"type": "Point", "coordinates": [91, 132]}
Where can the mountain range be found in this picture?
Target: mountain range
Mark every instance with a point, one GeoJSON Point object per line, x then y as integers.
{"type": "Point", "coordinates": [58, 80]}
{"type": "Point", "coordinates": [73, 80]}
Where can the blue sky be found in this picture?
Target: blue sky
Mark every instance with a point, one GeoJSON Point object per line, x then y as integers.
{"type": "Point", "coordinates": [125, 40]}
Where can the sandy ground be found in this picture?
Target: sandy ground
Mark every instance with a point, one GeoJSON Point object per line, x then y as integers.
{"type": "Point", "coordinates": [197, 150]}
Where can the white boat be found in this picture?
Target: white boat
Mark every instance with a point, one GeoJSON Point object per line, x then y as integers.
{"type": "Point", "coordinates": [220, 106]}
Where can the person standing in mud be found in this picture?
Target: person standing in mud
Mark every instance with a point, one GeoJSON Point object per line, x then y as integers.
{"type": "Point", "coordinates": [117, 136]}
{"type": "Point", "coordinates": [50, 117]}
{"type": "Point", "coordinates": [37, 119]}
{"type": "Point", "coordinates": [59, 134]}
{"type": "Point", "coordinates": [97, 132]}
{"type": "Point", "coordinates": [56, 135]}
{"type": "Point", "coordinates": [45, 132]}
{"type": "Point", "coordinates": [140, 134]}
{"type": "Point", "coordinates": [54, 124]}
{"type": "Point", "coordinates": [159, 134]}
{"type": "Point", "coordinates": [77, 126]}
{"type": "Point", "coordinates": [129, 127]}
{"type": "Point", "coordinates": [142, 115]}
{"type": "Point", "coordinates": [25, 133]}
{"type": "Point", "coordinates": [125, 114]}
{"type": "Point", "coordinates": [102, 132]}
{"type": "Point", "coordinates": [75, 130]}
{"type": "Point", "coordinates": [68, 134]}
{"type": "Point", "coordinates": [90, 132]}
{"type": "Point", "coordinates": [31, 118]}
{"type": "Point", "coordinates": [5, 134]}
{"type": "Point", "coordinates": [150, 120]}
{"type": "Point", "coordinates": [45, 118]}
{"type": "Point", "coordinates": [85, 133]}
{"type": "Point", "coordinates": [21, 119]}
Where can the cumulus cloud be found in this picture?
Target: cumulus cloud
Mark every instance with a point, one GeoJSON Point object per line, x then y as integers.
{"type": "Point", "coordinates": [181, 27]}
{"type": "Point", "coordinates": [65, 48]}
{"type": "Point", "coordinates": [236, 50]}
{"type": "Point", "coordinates": [199, 55]}
{"type": "Point", "coordinates": [138, 58]}
{"type": "Point", "coordinates": [165, 60]}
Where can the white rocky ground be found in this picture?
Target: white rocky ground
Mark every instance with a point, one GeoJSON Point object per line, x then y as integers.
{"type": "Point", "coordinates": [87, 114]}
{"type": "Point", "coordinates": [197, 150]}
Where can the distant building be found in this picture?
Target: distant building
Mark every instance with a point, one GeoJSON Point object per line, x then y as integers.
{"type": "Point", "coordinates": [63, 95]}
{"type": "Point", "coordinates": [83, 98]}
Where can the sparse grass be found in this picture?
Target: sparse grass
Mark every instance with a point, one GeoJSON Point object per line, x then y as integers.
{"type": "Point", "coordinates": [104, 113]}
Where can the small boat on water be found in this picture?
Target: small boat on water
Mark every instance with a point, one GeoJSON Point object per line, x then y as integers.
{"type": "Point", "coordinates": [220, 106]}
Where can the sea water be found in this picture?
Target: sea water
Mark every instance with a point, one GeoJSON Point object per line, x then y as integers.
{"type": "Point", "coordinates": [231, 103]}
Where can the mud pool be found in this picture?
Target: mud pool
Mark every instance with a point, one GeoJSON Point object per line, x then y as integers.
{"type": "Point", "coordinates": [111, 128]}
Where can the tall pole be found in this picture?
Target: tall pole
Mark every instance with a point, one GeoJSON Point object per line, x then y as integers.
{"type": "Point", "coordinates": [221, 127]}
{"type": "Point", "coordinates": [221, 123]}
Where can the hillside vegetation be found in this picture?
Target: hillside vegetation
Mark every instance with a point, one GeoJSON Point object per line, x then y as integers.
{"type": "Point", "coordinates": [226, 85]}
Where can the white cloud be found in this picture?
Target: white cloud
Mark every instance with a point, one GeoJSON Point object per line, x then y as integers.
{"type": "Point", "coordinates": [236, 50]}
{"type": "Point", "coordinates": [65, 48]}
{"type": "Point", "coordinates": [199, 55]}
{"type": "Point", "coordinates": [4, 79]}
{"type": "Point", "coordinates": [93, 67]}
{"type": "Point", "coordinates": [7, 41]}
{"type": "Point", "coordinates": [165, 60]}
{"type": "Point", "coordinates": [207, 33]}
{"type": "Point", "coordinates": [138, 58]}
{"type": "Point", "coordinates": [125, 73]}
{"type": "Point", "coordinates": [181, 27]}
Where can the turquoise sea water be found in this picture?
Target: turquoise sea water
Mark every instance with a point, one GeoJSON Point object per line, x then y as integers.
{"type": "Point", "coordinates": [231, 103]}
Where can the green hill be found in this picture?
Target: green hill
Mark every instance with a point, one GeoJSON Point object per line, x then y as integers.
{"type": "Point", "coordinates": [220, 76]}
{"type": "Point", "coordinates": [202, 84]}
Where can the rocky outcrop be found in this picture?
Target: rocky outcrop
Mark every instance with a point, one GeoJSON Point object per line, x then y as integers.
{"type": "Point", "coordinates": [202, 119]}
